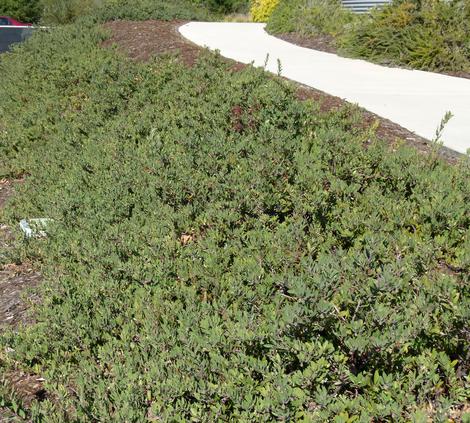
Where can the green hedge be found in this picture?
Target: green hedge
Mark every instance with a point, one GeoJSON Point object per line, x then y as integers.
{"type": "Point", "coordinates": [310, 17]}
{"type": "Point", "coordinates": [23, 10]}
{"type": "Point", "coordinates": [55, 12]}
{"type": "Point", "coordinates": [224, 6]}
{"type": "Point", "coordinates": [428, 34]}
{"type": "Point", "coordinates": [66, 11]}
{"type": "Point", "coordinates": [224, 252]}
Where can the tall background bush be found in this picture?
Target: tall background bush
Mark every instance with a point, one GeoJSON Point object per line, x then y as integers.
{"type": "Point", "coordinates": [23, 10]}
{"type": "Point", "coordinates": [422, 34]}
{"type": "Point", "coordinates": [310, 17]}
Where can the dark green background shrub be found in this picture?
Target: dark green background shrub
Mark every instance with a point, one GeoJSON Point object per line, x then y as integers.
{"type": "Point", "coordinates": [222, 251]}
{"type": "Point", "coordinates": [55, 12]}
{"type": "Point", "coordinates": [310, 17]}
{"type": "Point", "coordinates": [152, 9]}
{"type": "Point", "coordinates": [423, 34]}
{"type": "Point", "coordinates": [427, 34]}
{"type": "Point", "coordinates": [224, 6]}
{"type": "Point", "coordinates": [65, 11]}
{"type": "Point", "coordinates": [23, 10]}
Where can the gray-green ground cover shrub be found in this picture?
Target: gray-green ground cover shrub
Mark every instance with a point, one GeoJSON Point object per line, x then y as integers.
{"type": "Point", "coordinates": [225, 252]}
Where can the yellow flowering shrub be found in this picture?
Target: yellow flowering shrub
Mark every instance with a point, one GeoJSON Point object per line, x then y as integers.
{"type": "Point", "coordinates": [261, 9]}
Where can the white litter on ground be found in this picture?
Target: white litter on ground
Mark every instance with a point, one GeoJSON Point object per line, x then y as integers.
{"type": "Point", "coordinates": [34, 228]}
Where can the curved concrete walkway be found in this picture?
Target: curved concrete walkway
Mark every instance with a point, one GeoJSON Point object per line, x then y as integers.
{"type": "Point", "coordinates": [415, 100]}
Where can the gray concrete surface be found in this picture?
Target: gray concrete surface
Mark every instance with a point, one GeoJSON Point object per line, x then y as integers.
{"type": "Point", "coordinates": [416, 100]}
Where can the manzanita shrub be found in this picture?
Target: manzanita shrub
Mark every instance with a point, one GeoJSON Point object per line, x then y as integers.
{"type": "Point", "coordinates": [224, 252]}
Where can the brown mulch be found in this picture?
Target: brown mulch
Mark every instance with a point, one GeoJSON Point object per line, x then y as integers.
{"type": "Point", "coordinates": [143, 41]}
{"type": "Point", "coordinates": [15, 278]}
{"type": "Point", "coordinates": [16, 282]}
{"type": "Point", "coordinates": [324, 42]}
{"type": "Point", "coordinates": [458, 74]}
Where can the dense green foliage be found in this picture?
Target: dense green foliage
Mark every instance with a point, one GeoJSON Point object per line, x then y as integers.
{"type": "Point", "coordinates": [66, 11]}
{"type": "Point", "coordinates": [23, 10]}
{"type": "Point", "coordinates": [224, 252]}
{"type": "Point", "coordinates": [422, 34]}
{"type": "Point", "coordinates": [310, 17]}
{"type": "Point", "coordinates": [224, 6]}
{"type": "Point", "coordinates": [427, 34]}
{"type": "Point", "coordinates": [152, 9]}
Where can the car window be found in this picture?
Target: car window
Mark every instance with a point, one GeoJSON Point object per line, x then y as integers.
{"type": "Point", "coordinates": [4, 21]}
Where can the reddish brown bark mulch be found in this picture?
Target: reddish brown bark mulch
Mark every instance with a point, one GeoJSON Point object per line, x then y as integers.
{"type": "Point", "coordinates": [143, 41]}
{"type": "Point", "coordinates": [324, 42]}
{"type": "Point", "coordinates": [16, 280]}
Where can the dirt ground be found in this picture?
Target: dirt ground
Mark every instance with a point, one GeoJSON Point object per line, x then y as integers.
{"type": "Point", "coordinates": [324, 43]}
{"type": "Point", "coordinates": [16, 282]}
{"type": "Point", "coordinates": [142, 41]}
{"type": "Point", "coordinates": [15, 278]}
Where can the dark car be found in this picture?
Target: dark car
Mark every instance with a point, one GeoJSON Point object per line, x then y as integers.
{"type": "Point", "coordinates": [7, 21]}
{"type": "Point", "coordinates": [13, 32]}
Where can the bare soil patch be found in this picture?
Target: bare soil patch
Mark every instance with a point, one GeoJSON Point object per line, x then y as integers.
{"type": "Point", "coordinates": [17, 283]}
{"type": "Point", "coordinates": [15, 278]}
{"type": "Point", "coordinates": [143, 41]}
